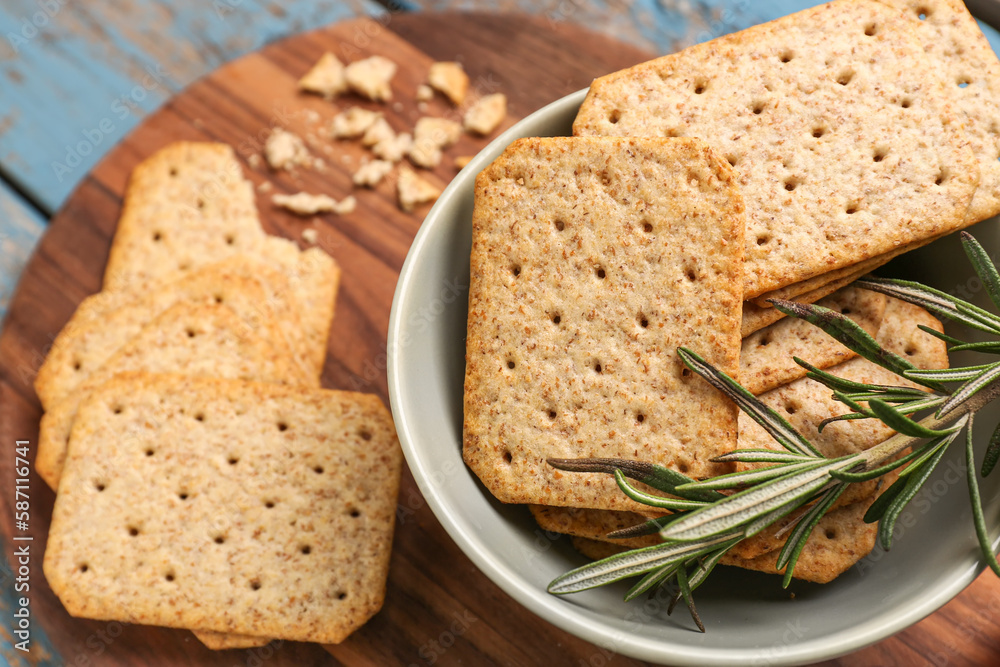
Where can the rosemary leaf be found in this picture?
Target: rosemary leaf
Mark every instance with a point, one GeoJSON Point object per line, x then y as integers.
{"type": "Point", "coordinates": [911, 485]}
{"type": "Point", "coordinates": [951, 340]}
{"type": "Point", "coordinates": [986, 347]}
{"type": "Point", "coordinates": [746, 506]}
{"type": "Point", "coordinates": [983, 265]}
{"type": "Point", "coordinates": [797, 539]}
{"type": "Point", "coordinates": [874, 473]}
{"type": "Point", "coordinates": [878, 508]}
{"type": "Point", "coordinates": [950, 374]}
{"type": "Point", "coordinates": [901, 423]}
{"type": "Point", "coordinates": [928, 450]}
{"type": "Point", "coordinates": [651, 581]}
{"type": "Point", "coordinates": [656, 476]}
{"type": "Point", "coordinates": [771, 421]}
{"type": "Point", "coordinates": [971, 387]}
{"type": "Point", "coordinates": [760, 456]}
{"type": "Point", "coordinates": [977, 506]}
{"type": "Point", "coordinates": [743, 478]}
{"type": "Point", "coordinates": [992, 452]}
{"type": "Point", "coordinates": [682, 581]}
{"type": "Point", "coordinates": [935, 301]}
{"type": "Point", "coordinates": [630, 563]}
{"type": "Point", "coordinates": [650, 527]}
{"type": "Point", "coordinates": [654, 501]}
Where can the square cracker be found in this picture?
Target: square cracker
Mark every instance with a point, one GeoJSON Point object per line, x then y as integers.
{"type": "Point", "coordinates": [86, 343]}
{"type": "Point", "coordinates": [206, 340]}
{"type": "Point", "coordinates": [593, 259]}
{"type": "Point", "coordinates": [841, 131]}
{"type": "Point", "coordinates": [270, 516]}
{"type": "Point", "coordinates": [965, 60]}
{"type": "Point", "coordinates": [187, 205]}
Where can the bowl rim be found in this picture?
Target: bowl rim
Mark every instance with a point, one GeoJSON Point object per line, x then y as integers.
{"type": "Point", "coordinates": [570, 618]}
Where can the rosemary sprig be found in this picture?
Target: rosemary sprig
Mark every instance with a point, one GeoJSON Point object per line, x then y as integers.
{"type": "Point", "coordinates": [703, 523]}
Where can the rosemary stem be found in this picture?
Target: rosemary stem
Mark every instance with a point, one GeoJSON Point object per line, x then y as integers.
{"type": "Point", "coordinates": [899, 442]}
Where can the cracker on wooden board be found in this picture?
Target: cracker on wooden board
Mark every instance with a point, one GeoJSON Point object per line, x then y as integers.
{"type": "Point", "coordinates": [591, 523]}
{"type": "Point", "coordinates": [966, 61]}
{"type": "Point", "coordinates": [206, 340]}
{"type": "Point", "coordinates": [169, 199]}
{"type": "Point", "coordinates": [767, 356]}
{"type": "Point", "coordinates": [271, 516]}
{"type": "Point", "coordinates": [81, 348]}
{"type": "Point", "coordinates": [586, 277]}
{"type": "Point", "coordinates": [221, 641]}
{"type": "Point", "coordinates": [843, 137]}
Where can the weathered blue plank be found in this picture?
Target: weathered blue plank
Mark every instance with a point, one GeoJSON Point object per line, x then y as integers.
{"type": "Point", "coordinates": [20, 228]}
{"type": "Point", "coordinates": [76, 77]}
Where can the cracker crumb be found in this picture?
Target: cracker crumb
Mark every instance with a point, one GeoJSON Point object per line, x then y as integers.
{"type": "Point", "coordinates": [486, 114]}
{"type": "Point", "coordinates": [429, 137]}
{"type": "Point", "coordinates": [285, 150]}
{"type": "Point", "coordinates": [462, 160]}
{"type": "Point", "coordinates": [326, 77]}
{"type": "Point", "coordinates": [398, 107]}
{"type": "Point", "coordinates": [450, 79]}
{"type": "Point", "coordinates": [378, 131]}
{"type": "Point", "coordinates": [304, 203]}
{"type": "Point", "coordinates": [422, 107]}
{"type": "Point", "coordinates": [370, 78]}
{"type": "Point", "coordinates": [312, 116]}
{"type": "Point", "coordinates": [371, 173]}
{"type": "Point", "coordinates": [352, 123]}
{"type": "Point", "coordinates": [310, 235]}
{"type": "Point", "coordinates": [424, 93]}
{"type": "Point", "coordinates": [413, 190]}
{"type": "Point", "coordinates": [394, 149]}
{"type": "Point", "coordinates": [254, 160]}
{"type": "Point", "coordinates": [265, 186]}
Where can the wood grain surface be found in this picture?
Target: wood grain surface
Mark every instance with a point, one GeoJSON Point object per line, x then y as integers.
{"type": "Point", "coordinates": [439, 609]}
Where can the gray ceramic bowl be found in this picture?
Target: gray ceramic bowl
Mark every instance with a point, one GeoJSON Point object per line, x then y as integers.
{"type": "Point", "coordinates": [750, 619]}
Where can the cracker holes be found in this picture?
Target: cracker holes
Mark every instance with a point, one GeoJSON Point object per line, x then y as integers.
{"type": "Point", "coordinates": [364, 435]}
{"type": "Point", "coordinates": [879, 154]}
{"type": "Point", "coordinates": [269, 504]}
{"type": "Point", "coordinates": [149, 451]}
{"type": "Point", "coordinates": [733, 160]}
{"type": "Point", "coordinates": [511, 364]}
{"type": "Point", "coordinates": [963, 81]}
{"type": "Point", "coordinates": [643, 321]}
{"type": "Point", "coordinates": [910, 351]}
{"type": "Point", "coordinates": [700, 86]}
{"type": "Point", "coordinates": [852, 209]}
{"type": "Point", "coordinates": [764, 341]}
{"type": "Point", "coordinates": [341, 595]}
{"type": "Point", "coordinates": [552, 415]}
{"type": "Point", "coordinates": [117, 409]}
{"type": "Point", "coordinates": [318, 470]}
{"type": "Point", "coordinates": [685, 372]}
{"type": "Point", "coordinates": [200, 204]}
{"type": "Point", "coordinates": [786, 56]}
{"type": "Point", "coordinates": [255, 584]}
{"type": "Point", "coordinates": [100, 486]}
{"type": "Point", "coordinates": [845, 77]}
{"type": "Point", "coordinates": [871, 29]}
{"type": "Point", "coordinates": [230, 239]}
{"type": "Point", "coordinates": [508, 458]}
{"type": "Point", "coordinates": [515, 270]}
{"type": "Point", "coordinates": [282, 426]}
{"type": "Point", "coordinates": [170, 577]}
{"type": "Point", "coordinates": [559, 225]}
{"type": "Point", "coordinates": [757, 108]}
{"type": "Point", "coordinates": [354, 513]}
{"type": "Point", "coordinates": [133, 531]}
{"type": "Point", "coordinates": [923, 13]}
{"type": "Point", "coordinates": [200, 417]}
{"type": "Point", "coordinates": [791, 183]}
{"type": "Point", "coordinates": [791, 408]}
{"type": "Point", "coordinates": [691, 275]}
{"type": "Point", "coordinates": [305, 549]}
{"type": "Point", "coordinates": [819, 131]}
{"type": "Point", "coordinates": [906, 103]}
{"type": "Point", "coordinates": [673, 133]}
{"type": "Point", "coordinates": [183, 495]}
{"type": "Point", "coordinates": [219, 539]}
{"type": "Point", "coordinates": [614, 116]}
{"type": "Point", "coordinates": [173, 172]}
{"type": "Point", "coordinates": [598, 368]}
{"type": "Point", "coordinates": [157, 236]}
{"type": "Point", "coordinates": [600, 273]}
{"type": "Point", "coordinates": [831, 534]}
{"type": "Point", "coordinates": [942, 177]}
{"type": "Point", "coordinates": [683, 467]}
{"type": "Point", "coordinates": [647, 227]}
{"type": "Point", "coordinates": [219, 298]}
{"type": "Point", "coordinates": [233, 460]}
{"type": "Point", "coordinates": [556, 318]}
{"type": "Point", "coordinates": [84, 568]}
{"type": "Point", "coordinates": [191, 333]}
{"type": "Point", "coordinates": [846, 311]}
{"type": "Point", "coordinates": [77, 365]}
{"type": "Point", "coordinates": [639, 418]}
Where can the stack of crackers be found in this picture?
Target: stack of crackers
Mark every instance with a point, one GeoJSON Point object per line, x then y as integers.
{"type": "Point", "coordinates": [782, 161]}
{"type": "Point", "coordinates": [204, 479]}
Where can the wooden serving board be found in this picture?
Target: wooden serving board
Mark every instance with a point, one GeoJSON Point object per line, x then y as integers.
{"type": "Point", "coordinates": [439, 609]}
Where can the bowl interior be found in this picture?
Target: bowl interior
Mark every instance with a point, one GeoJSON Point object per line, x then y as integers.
{"type": "Point", "coordinates": [750, 619]}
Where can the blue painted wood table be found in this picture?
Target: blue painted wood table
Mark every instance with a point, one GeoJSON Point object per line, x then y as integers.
{"type": "Point", "coordinates": [77, 78]}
